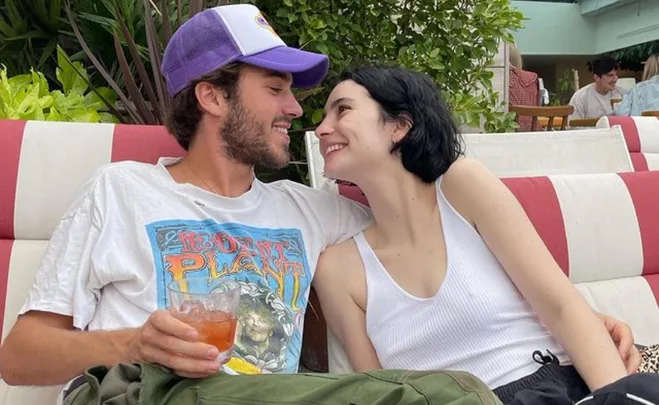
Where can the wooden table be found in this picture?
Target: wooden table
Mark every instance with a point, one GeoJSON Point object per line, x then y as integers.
{"type": "Point", "coordinates": [544, 121]}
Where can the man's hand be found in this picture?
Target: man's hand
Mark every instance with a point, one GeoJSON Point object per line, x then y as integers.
{"type": "Point", "coordinates": [622, 336]}
{"type": "Point", "coordinates": [169, 342]}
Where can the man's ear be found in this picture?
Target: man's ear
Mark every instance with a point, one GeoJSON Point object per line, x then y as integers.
{"type": "Point", "coordinates": [403, 124]}
{"type": "Point", "coordinates": [211, 99]}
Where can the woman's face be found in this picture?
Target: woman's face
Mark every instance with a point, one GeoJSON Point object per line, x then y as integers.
{"type": "Point", "coordinates": [353, 135]}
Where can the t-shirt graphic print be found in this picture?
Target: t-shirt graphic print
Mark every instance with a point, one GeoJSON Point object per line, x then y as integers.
{"type": "Point", "coordinates": [272, 268]}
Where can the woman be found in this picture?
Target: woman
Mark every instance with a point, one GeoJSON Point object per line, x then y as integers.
{"type": "Point", "coordinates": [645, 95]}
{"type": "Point", "coordinates": [451, 260]}
{"type": "Point", "coordinates": [523, 86]}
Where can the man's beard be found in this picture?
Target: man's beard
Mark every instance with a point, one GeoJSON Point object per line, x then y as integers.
{"type": "Point", "coordinates": [246, 140]}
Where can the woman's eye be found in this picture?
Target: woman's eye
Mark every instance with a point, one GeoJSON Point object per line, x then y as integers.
{"type": "Point", "coordinates": [342, 108]}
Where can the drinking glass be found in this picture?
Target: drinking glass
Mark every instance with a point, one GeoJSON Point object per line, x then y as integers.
{"type": "Point", "coordinates": [210, 306]}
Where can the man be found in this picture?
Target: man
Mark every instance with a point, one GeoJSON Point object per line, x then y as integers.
{"type": "Point", "coordinates": [135, 228]}
{"type": "Point", "coordinates": [594, 100]}
{"type": "Point", "coordinates": [99, 296]}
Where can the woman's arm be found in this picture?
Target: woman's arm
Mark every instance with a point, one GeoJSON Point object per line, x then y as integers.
{"type": "Point", "coordinates": [340, 284]}
{"type": "Point", "coordinates": [499, 218]}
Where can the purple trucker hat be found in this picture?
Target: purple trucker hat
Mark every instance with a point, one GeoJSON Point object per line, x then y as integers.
{"type": "Point", "coordinates": [222, 35]}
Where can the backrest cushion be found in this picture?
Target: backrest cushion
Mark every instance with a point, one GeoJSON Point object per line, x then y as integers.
{"type": "Point", "coordinates": [642, 137]}
{"type": "Point", "coordinates": [521, 154]}
{"type": "Point", "coordinates": [42, 166]}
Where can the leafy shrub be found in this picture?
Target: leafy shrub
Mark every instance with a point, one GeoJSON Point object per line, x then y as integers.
{"type": "Point", "coordinates": [28, 97]}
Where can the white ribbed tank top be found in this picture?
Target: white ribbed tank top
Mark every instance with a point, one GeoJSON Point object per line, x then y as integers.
{"type": "Point", "coordinates": [477, 322]}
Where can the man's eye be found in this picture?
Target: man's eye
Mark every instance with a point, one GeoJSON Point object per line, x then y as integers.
{"type": "Point", "coordinates": [276, 89]}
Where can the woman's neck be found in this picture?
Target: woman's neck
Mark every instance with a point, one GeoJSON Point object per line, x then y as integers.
{"type": "Point", "coordinates": [403, 206]}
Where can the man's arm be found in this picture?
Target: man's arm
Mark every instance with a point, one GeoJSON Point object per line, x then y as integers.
{"type": "Point", "coordinates": [623, 338]}
{"type": "Point", "coordinates": [44, 349]}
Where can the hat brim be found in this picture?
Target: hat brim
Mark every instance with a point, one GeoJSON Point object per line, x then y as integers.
{"type": "Point", "coordinates": [308, 68]}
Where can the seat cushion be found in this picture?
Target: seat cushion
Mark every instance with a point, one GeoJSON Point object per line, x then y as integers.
{"type": "Point", "coordinates": [29, 395]}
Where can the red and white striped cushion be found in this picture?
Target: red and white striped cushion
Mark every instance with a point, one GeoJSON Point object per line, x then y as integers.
{"type": "Point", "coordinates": [602, 229]}
{"type": "Point", "coordinates": [42, 165]}
{"type": "Point", "coordinates": [642, 137]}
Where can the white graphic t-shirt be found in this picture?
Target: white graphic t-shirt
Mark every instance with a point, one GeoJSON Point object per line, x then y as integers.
{"type": "Point", "coordinates": [133, 229]}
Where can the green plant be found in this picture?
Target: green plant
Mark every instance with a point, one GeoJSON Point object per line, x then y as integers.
{"type": "Point", "coordinates": [564, 89]}
{"type": "Point", "coordinates": [29, 32]}
{"type": "Point", "coordinates": [141, 30]}
{"type": "Point", "coordinates": [28, 97]}
{"type": "Point", "coordinates": [454, 41]}
{"type": "Point", "coordinates": [632, 58]}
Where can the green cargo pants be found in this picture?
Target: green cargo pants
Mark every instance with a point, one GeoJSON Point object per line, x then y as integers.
{"type": "Point", "coordinates": [141, 384]}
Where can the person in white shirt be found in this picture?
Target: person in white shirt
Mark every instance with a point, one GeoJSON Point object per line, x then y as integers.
{"type": "Point", "coordinates": [451, 275]}
{"type": "Point", "coordinates": [594, 100]}
{"type": "Point", "coordinates": [135, 227]}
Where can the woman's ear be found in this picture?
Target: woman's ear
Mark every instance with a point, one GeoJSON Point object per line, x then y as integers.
{"type": "Point", "coordinates": [211, 99]}
{"type": "Point", "coordinates": [403, 125]}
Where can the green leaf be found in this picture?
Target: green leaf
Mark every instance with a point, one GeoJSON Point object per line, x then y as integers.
{"type": "Point", "coordinates": [318, 24]}
{"type": "Point", "coordinates": [59, 100]}
{"type": "Point", "coordinates": [93, 100]}
{"type": "Point", "coordinates": [69, 101]}
{"type": "Point", "coordinates": [27, 35]}
{"type": "Point", "coordinates": [28, 99]}
{"type": "Point", "coordinates": [45, 102]}
{"type": "Point", "coordinates": [39, 79]}
{"type": "Point", "coordinates": [473, 119]}
{"type": "Point", "coordinates": [53, 115]}
{"type": "Point", "coordinates": [317, 116]}
{"type": "Point", "coordinates": [6, 29]}
{"type": "Point", "coordinates": [323, 48]}
{"type": "Point", "coordinates": [71, 75]}
{"type": "Point", "coordinates": [14, 16]}
{"type": "Point", "coordinates": [17, 84]}
{"type": "Point", "coordinates": [55, 10]}
{"type": "Point", "coordinates": [84, 115]}
{"type": "Point", "coordinates": [107, 117]}
{"type": "Point", "coordinates": [5, 90]}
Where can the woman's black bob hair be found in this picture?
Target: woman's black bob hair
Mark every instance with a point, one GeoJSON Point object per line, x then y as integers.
{"type": "Point", "coordinates": [433, 142]}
